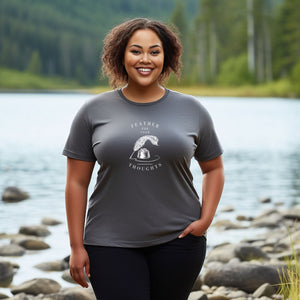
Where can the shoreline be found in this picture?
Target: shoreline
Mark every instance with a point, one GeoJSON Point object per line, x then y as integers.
{"type": "Point", "coordinates": [265, 246]}
{"type": "Point", "coordinates": [255, 91]}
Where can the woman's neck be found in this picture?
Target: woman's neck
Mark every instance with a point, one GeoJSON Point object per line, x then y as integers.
{"type": "Point", "coordinates": [143, 94]}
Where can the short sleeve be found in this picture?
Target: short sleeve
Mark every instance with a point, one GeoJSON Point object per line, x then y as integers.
{"type": "Point", "coordinates": [79, 141]}
{"type": "Point", "coordinates": [208, 144]}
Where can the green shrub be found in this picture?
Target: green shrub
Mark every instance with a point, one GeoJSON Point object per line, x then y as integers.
{"type": "Point", "coordinates": [234, 72]}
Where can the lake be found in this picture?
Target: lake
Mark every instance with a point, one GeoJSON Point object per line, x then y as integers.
{"type": "Point", "coordinates": [260, 137]}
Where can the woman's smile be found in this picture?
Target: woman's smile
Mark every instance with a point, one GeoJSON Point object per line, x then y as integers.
{"type": "Point", "coordinates": [144, 58]}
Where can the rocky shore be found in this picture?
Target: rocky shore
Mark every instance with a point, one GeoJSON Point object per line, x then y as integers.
{"type": "Point", "coordinates": [248, 270]}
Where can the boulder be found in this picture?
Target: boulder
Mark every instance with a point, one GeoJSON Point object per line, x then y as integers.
{"type": "Point", "coordinates": [31, 244]}
{"type": "Point", "coordinates": [270, 221]}
{"type": "Point", "coordinates": [11, 250]}
{"type": "Point", "coordinates": [222, 253]}
{"type": "Point", "coordinates": [50, 221]}
{"type": "Point", "coordinates": [58, 265]}
{"type": "Point", "coordinates": [37, 230]}
{"type": "Point", "coordinates": [6, 273]}
{"type": "Point", "coordinates": [246, 252]}
{"type": "Point", "coordinates": [14, 194]}
{"type": "Point", "coordinates": [244, 276]}
{"type": "Point", "coordinates": [37, 286]}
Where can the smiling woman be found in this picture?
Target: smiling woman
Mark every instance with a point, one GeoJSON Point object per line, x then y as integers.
{"type": "Point", "coordinates": [145, 227]}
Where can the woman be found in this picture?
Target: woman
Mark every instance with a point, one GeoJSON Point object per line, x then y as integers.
{"type": "Point", "coordinates": [144, 236]}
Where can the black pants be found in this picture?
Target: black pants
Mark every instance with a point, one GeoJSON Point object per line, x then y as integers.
{"type": "Point", "coordinates": [163, 272]}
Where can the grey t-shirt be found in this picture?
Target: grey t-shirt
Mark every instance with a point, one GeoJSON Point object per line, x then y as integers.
{"type": "Point", "coordinates": [144, 193]}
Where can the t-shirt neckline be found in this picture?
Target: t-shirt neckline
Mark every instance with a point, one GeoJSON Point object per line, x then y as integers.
{"type": "Point", "coordinates": [143, 103]}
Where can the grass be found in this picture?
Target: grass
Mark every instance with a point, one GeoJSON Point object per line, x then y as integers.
{"type": "Point", "coordinates": [20, 81]}
{"type": "Point", "coordinates": [17, 80]}
{"type": "Point", "coordinates": [289, 287]}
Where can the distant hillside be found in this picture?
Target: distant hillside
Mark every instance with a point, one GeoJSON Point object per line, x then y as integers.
{"type": "Point", "coordinates": [64, 37]}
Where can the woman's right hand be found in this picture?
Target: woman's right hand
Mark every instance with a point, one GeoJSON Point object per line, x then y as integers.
{"type": "Point", "coordinates": [79, 266]}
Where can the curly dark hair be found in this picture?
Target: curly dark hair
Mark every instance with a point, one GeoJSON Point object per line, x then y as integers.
{"type": "Point", "coordinates": [116, 41]}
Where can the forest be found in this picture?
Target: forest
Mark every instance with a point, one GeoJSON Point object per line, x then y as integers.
{"type": "Point", "coordinates": [226, 42]}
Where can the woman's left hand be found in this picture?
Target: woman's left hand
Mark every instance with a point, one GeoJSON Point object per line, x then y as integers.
{"type": "Point", "coordinates": [197, 228]}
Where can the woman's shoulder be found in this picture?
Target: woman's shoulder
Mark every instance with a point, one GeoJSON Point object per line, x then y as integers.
{"type": "Point", "coordinates": [102, 98]}
{"type": "Point", "coordinates": [186, 100]}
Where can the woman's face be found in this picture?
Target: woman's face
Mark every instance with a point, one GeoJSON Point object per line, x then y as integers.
{"type": "Point", "coordinates": [144, 58]}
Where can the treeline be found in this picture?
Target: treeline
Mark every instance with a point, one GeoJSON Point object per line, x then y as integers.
{"type": "Point", "coordinates": [227, 42]}
{"type": "Point", "coordinates": [235, 42]}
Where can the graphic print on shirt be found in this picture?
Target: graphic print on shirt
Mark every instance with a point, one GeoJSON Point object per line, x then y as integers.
{"type": "Point", "coordinates": [144, 156]}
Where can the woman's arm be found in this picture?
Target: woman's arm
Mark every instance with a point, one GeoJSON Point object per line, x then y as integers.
{"type": "Point", "coordinates": [212, 187]}
{"type": "Point", "coordinates": [78, 178]}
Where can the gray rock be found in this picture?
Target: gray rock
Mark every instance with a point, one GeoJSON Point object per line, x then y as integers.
{"type": "Point", "coordinates": [227, 208]}
{"type": "Point", "coordinates": [3, 296]}
{"type": "Point", "coordinates": [78, 293]}
{"type": "Point", "coordinates": [246, 252]}
{"type": "Point", "coordinates": [199, 295]}
{"type": "Point", "coordinates": [217, 296]}
{"type": "Point", "coordinates": [67, 277]}
{"type": "Point", "coordinates": [6, 273]}
{"type": "Point", "coordinates": [58, 265]}
{"type": "Point", "coordinates": [265, 200]}
{"type": "Point", "coordinates": [37, 286]}
{"type": "Point", "coordinates": [244, 276]}
{"type": "Point", "coordinates": [227, 225]}
{"type": "Point", "coordinates": [50, 221]}
{"type": "Point", "coordinates": [22, 296]}
{"type": "Point", "coordinates": [270, 221]}
{"type": "Point", "coordinates": [36, 230]}
{"type": "Point", "coordinates": [12, 250]}
{"type": "Point", "coordinates": [237, 294]}
{"type": "Point", "coordinates": [14, 194]}
{"type": "Point", "coordinates": [30, 242]}
{"type": "Point", "coordinates": [266, 290]}
{"type": "Point", "coordinates": [223, 253]}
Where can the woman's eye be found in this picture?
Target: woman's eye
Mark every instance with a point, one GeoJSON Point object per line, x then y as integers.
{"type": "Point", "coordinates": [156, 52]}
{"type": "Point", "coordinates": [135, 51]}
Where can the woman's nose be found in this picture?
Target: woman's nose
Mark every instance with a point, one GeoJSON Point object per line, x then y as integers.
{"type": "Point", "coordinates": [145, 58]}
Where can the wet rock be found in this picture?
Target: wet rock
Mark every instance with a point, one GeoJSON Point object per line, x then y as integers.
{"type": "Point", "coordinates": [264, 290]}
{"type": "Point", "coordinates": [247, 252]}
{"type": "Point", "coordinates": [50, 221]}
{"type": "Point", "coordinates": [58, 265]}
{"type": "Point", "coordinates": [265, 200]}
{"type": "Point", "coordinates": [11, 250]}
{"type": "Point", "coordinates": [14, 194]}
{"type": "Point", "coordinates": [37, 230]}
{"type": "Point", "coordinates": [6, 273]}
{"type": "Point", "coordinates": [244, 276]}
{"type": "Point", "coordinates": [37, 286]}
